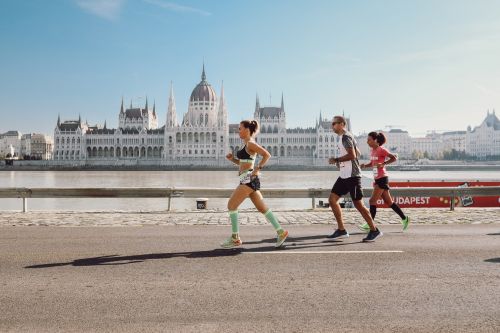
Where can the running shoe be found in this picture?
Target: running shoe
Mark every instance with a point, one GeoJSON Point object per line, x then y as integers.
{"type": "Point", "coordinates": [372, 235]}
{"type": "Point", "coordinates": [405, 222]}
{"type": "Point", "coordinates": [339, 234]}
{"type": "Point", "coordinates": [231, 242]}
{"type": "Point", "coordinates": [364, 227]}
{"type": "Point", "coordinates": [280, 239]}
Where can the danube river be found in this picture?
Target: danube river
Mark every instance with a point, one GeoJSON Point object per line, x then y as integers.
{"type": "Point", "coordinates": [182, 179]}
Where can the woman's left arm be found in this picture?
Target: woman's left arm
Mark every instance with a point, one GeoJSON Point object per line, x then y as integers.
{"type": "Point", "coordinates": [392, 158]}
{"type": "Point", "coordinates": [256, 148]}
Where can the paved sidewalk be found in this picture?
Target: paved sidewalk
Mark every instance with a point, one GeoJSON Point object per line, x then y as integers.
{"type": "Point", "coordinates": [247, 217]}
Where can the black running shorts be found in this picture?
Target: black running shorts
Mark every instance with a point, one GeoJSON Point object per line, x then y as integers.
{"type": "Point", "coordinates": [383, 183]}
{"type": "Point", "coordinates": [350, 185]}
{"type": "Point", "coordinates": [254, 183]}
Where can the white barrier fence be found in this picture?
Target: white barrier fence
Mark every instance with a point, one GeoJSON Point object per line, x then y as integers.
{"type": "Point", "coordinates": [169, 193]}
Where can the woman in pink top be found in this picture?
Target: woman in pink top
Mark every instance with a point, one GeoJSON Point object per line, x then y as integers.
{"type": "Point", "coordinates": [380, 157]}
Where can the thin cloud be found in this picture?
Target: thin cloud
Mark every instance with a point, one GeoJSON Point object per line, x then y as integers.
{"type": "Point", "coordinates": [472, 45]}
{"type": "Point", "coordinates": [177, 8]}
{"type": "Point", "coordinates": [486, 90]}
{"type": "Point", "coordinates": [106, 9]}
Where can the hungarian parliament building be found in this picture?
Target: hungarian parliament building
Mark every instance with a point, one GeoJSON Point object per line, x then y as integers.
{"type": "Point", "coordinates": [202, 137]}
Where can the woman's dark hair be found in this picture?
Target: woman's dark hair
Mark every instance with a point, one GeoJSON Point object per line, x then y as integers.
{"type": "Point", "coordinates": [252, 125]}
{"type": "Point", "coordinates": [379, 137]}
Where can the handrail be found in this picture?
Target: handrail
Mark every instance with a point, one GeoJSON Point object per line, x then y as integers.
{"type": "Point", "coordinates": [173, 192]}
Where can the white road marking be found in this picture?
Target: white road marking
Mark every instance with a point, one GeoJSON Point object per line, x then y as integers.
{"type": "Point", "coordinates": [319, 252]}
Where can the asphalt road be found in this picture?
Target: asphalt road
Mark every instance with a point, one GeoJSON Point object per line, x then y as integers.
{"type": "Point", "coordinates": [433, 278]}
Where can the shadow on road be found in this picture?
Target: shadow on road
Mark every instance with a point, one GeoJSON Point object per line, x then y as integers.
{"type": "Point", "coordinates": [494, 234]}
{"type": "Point", "coordinates": [292, 239]}
{"type": "Point", "coordinates": [495, 260]}
{"type": "Point", "coordinates": [122, 260]}
{"type": "Point", "coordinates": [132, 259]}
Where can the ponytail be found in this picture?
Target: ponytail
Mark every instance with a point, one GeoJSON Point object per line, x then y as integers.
{"type": "Point", "coordinates": [252, 125]}
{"type": "Point", "coordinates": [378, 136]}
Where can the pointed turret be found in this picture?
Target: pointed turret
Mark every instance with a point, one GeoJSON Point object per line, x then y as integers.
{"type": "Point", "coordinates": [131, 103]}
{"type": "Point", "coordinates": [171, 111]}
{"type": "Point", "coordinates": [58, 120]}
{"type": "Point", "coordinates": [146, 107]}
{"type": "Point", "coordinates": [122, 110]}
{"type": "Point", "coordinates": [282, 103]}
{"type": "Point", "coordinates": [154, 108]}
{"type": "Point", "coordinates": [105, 125]}
{"type": "Point", "coordinates": [203, 76]}
{"type": "Point", "coordinates": [257, 106]}
{"type": "Point", "coordinates": [222, 114]}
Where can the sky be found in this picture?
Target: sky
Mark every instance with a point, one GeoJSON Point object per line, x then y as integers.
{"type": "Point", "coordinates": [417, 65]}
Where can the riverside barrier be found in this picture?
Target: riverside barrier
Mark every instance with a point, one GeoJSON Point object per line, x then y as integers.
{"type": "Point", "coordinates": [171, 192]}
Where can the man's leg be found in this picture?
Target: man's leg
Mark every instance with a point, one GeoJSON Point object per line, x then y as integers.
{"type": "Point", "coordinates": [336, 209]}
{"type": "Point", "coordinates": [364, 212]}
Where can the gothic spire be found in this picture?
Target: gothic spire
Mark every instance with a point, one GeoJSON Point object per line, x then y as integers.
{"type": "Point", "coordinates": [171, 111]}
{"type": "Point", "coordinates": [203, 76]}
{"type": "Point", "coordinates": [222, 114]}
{"type": "Point", "coordinates": [257, 103]}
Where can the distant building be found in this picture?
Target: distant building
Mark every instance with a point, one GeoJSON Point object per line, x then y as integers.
{"type": "Point", "coordinates": [8, 140]}
{"type": "Point", "coordinates": [202, 137]}
{"type": "Point", "coordinates": [484, 140]}
{"type": "Point", "coordinates": [455, 140]}
{"type": "Point", "coordinates": [430, 146]}
{"type": "Point", "coordinates": [290, 146]}
{"type": "Point", "coordinates": [41, 147]}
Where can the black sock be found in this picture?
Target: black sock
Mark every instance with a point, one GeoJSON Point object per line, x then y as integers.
{"type": "Point", "coordinates": [373, 211]}
{"type": "Point", "coordinates": [398, 210]}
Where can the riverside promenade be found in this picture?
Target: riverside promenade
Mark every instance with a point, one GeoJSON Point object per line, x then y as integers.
{"type": "Point", "coordinates": [164, 272]}
{"type": "Point", "coordinates": [247, 217]}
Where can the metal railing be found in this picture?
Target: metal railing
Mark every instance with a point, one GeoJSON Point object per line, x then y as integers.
{"type": "Point", "coordinates": [171, 192]}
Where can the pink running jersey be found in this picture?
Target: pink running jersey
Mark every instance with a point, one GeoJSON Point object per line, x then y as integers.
{"type": "Point", "coordinates": [378, 155]}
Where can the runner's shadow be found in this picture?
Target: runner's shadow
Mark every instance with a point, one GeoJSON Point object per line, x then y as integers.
{"type": "Point", "coordinates": [292, 239]}
{"type": "Point", "coordinates": [494, 260]}
{"type": "Point", "coordinates": [288, 240]}
{"type": "Point", "coordinates": [494, 234]}
{"type": "Point", "coordinates": [123, 260]}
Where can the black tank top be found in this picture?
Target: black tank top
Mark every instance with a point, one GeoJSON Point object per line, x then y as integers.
{"type": "Point", "coordinates": [243, 154]}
